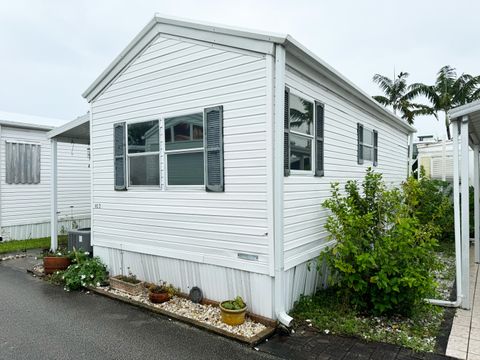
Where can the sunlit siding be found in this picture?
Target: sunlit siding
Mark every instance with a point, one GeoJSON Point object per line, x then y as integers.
{"type": "Point", "coordinates": [169, 77]}
{"type": "Point", "coordinates": [25, 208]}
{"type": "Point", "coordinates": [304, 217]}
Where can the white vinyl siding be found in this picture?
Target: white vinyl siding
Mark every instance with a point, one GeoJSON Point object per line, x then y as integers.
{"type": "Point", "coordinates": [171, 78]}
{"type": "Point", "coordinates": [24, 204]}
{"type": "Point", "coordinates": [304, 217]}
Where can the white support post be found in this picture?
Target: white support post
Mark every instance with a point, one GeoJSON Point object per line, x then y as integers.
{"type": "Point", "coordinates": [456, 210]}
{"type": "Point", "coordinates": [53, 196]}
{"type": "Point", "coordinates": [476, 186]}
{"type": "Point", "coordinates": [444, 159]}
{"type": "Point", "coordinates": [465, 214]}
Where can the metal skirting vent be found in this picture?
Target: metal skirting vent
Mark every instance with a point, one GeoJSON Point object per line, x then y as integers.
{"type": "Point", "coordinates": [249, 257]}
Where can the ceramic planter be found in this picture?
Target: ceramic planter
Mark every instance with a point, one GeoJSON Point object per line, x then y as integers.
{"type": "Point", "coordinates": [125, 286]}
{"type": "Point", "coordinates": [158, 298]}
{"type": "Point", "coordinates": [55, 263]}
{"type": "Point", "coordinates": [233, 317]}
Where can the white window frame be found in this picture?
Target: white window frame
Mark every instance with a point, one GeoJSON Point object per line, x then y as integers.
{"type": "Point", "coordinates": [128, 155]}
{"type": "Point", "coordinates": [311, 137]}
{"type": "Point", "coordinates": [192, 150]}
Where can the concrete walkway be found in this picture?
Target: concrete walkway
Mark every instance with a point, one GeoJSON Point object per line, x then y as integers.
{"type": "Point", "coordinates": [464, 340]}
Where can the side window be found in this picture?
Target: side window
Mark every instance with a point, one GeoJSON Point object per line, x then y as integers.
{"type": "Point", "coordinates": [184, 150]}
{"type": "Point", "coordinates": [22, 163]}
{"type": "Point", "coordinates": [143, 153]}
{"type": "Point", "coordinates": [367, 145]}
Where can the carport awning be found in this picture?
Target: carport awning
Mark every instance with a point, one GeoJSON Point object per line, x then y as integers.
{"type": "Point", "coordinates": [471, 113]}
{"type": "Point", "coordinates": [76, 131]}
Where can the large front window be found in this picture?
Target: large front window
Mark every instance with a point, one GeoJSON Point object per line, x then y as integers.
{"type": "Point", "coordinates": [301, 133]}
{"type": "Point", "coordinates": [143, 153]}
{"type": "Point", "coordinates": [184, 150]}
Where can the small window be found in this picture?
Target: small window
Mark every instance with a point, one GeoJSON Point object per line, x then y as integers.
{"type": "Point", "coordinates": [184, 150]}
{"type": "Point", "coordinates": [22, 165]}
{"type": "Point", "coordinates": [367, 145]}
{"type": "Point", "coordinates": [301, 133]}
{"type": "Point", "coordinates": [143, 153]}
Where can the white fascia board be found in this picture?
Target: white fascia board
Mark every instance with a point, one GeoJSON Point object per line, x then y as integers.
{"type": "Point", "coordinates": [463, 110]}
{"type": "Point", "coordinates": [57, 132]}
{"type": "Point", "coordinates": [22, 125]}
{"type": "Point", "coordinates": [233, 37]}
{"type": "Point", "coordinates": [322, 67]}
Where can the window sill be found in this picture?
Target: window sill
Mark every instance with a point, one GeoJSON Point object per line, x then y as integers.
{"type": "Point", "coordinates": [301, 173]}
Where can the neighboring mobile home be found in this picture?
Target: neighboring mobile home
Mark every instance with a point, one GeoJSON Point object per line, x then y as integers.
{"type": "Point", "coordinates": [25, 179]}
{"type": "Point", "coordinates": [213, 149]}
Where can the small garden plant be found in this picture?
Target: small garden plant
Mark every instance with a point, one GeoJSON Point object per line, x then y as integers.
{"type": "Point", "coordinates": [162, 288]}
{"type": "Point", "coordinates": [130, 278]}
{"type": "Point", "coordinates": [236, 304]}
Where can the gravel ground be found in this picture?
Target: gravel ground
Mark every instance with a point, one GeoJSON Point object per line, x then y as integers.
{"type": "Point", "coordinates": [446, 276]}
{"type": "Point", "coordinates": [207, 314]}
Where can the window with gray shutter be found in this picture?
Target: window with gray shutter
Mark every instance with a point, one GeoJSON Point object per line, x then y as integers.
{"type": "Point", "coordinates": [213, 135]}
{"type": "Point", "coordinates": [286, 139]}
{"type": "Point", "coordinates": [319, 125]}
{"type": "Point", "coordinates": [367, 145]}
{"type": "Point", "coordinates": [22, 163]}
{"type": "Point", "coordinates": [359, 143]}
{"type": "Point", "coordinates": [119, 156]}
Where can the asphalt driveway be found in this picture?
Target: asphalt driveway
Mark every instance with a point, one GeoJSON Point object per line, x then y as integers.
{"type": "Point", "coordinates": [41, 321]}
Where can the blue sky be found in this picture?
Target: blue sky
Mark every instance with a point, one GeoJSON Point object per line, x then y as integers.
{"type": "Point", "coordinates": [52, 50]}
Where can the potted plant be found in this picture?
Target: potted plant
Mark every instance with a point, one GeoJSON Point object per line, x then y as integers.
{"type": "Point", "coordinates": [233, 311]}
{"type": "Point", "coordinates": [55, 261]}
{"type": "Point", "coordinates": [127, 283]}
{"type": "Point", "coordinates": [161, 293]}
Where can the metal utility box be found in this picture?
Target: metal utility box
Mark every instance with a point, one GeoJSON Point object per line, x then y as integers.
{"type": "Point", "coordinates": [80, 239]}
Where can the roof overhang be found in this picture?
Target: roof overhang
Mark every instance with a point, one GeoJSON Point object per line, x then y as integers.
{"type": "Point", "coordinates": [22, 125]}
{"type": "Point", "coordinates": [471, 113]}
{"type": "Point", "coordinates": [257, 41]}
{"type": "Point", "coordinates": [76, 131]}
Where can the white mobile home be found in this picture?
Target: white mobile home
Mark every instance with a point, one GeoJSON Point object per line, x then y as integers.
{"type": "Point", "coordinates": [25, 179]}
{"type": "Point", "coordinates": [212, 151]}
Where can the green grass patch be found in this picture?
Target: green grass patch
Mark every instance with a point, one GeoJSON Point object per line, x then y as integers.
{"type": "Point", "coordinates": [22, 245]}
{"type": "Point", "coordinates": [328, 313]}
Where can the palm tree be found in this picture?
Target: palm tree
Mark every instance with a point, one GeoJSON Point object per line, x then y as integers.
{"type": "Point", "coordinates": [448, 92]}
{"type": "Point", "coordinates": [398, 96]}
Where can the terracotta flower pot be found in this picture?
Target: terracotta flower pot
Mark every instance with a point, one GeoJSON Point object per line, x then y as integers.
{"type": "Point", "coordinates": [55, 263]}
{"type": "Point", "coordinates": [233, 317]}
{"type": "Point", "coordinates": [128, 287]}
{"type": "Point", "coordinates": [158, 298]}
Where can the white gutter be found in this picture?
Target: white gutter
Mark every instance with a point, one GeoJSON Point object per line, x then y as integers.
{"type": "Point", "coordinates": [458, 237]}
{"type": "Point", "coordinates": [278, 191]}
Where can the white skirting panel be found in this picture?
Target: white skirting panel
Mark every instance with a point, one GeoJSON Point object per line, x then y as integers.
{"type": "Point", "coordinates": [304, 279]}
{"type": "Point", "coordinates": [40, 230]}
{"type": "Point", "coordinates": [217, 283]}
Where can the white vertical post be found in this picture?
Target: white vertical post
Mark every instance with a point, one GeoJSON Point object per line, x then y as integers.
{"type": "Point", "coordinates": [410, 154]}
{"type": "Point", "coordinates": [465, 214]}
{"type": "Point", "coordinates": [476, 202]}
{"type": "Point", "coordinates": [53, 196]}
{"type": "Point", "coordinates": [456, 210]}
{"type": "Point", "coordinates": [444, 159]}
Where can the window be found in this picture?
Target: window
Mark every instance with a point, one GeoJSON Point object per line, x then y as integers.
{"type": "Point", "coordinates": [303, 135]}
{"type": "Point", "coordinates": [367, 145]}
{"type": "Point", "coordinates": [184, 150]}
{"type": "Point", "coordinates": [22, 165]}
{"type": "Point", "coordinates": [143, 153]}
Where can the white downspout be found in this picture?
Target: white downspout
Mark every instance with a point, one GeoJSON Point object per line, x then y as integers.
{"type": "Point", "coordinates": [53, 195]}
{"type": "Point", "coordinates": [278, 190]}
{"type": "Point", "coordinates": [465, 214]}
{"type": "Point", "coordinates": [458, 237]}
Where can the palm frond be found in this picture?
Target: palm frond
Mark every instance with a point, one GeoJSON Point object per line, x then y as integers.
{"type": "Point", "coordinates": [382, 100]}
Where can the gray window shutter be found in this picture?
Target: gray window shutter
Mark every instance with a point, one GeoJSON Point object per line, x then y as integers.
{"type": "Point", "coordinates": [286, 138]}
{"type": "Point", "coordinates": [22, 163]}
{"type": "Point", "coordinates": [213, 135]}
{"type": "Point", "coordinates": [319, 127]}
{"type": "Point", "coordinates": [359, 143]}
{"type": "Point", "coordinates": [375, 147]}
{"type": "Point", "coordinates": [119, 153]}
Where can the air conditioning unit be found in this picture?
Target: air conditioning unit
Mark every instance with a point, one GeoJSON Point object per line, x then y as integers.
{"type": "Point", "coordinates": [80, 240]}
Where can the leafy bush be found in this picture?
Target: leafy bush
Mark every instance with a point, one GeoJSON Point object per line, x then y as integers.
{"type": "Point", "coordinates": [382, 261]}
{"type": "Point", "coordinates": [84, 271]}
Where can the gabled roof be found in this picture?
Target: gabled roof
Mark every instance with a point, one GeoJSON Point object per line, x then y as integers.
{"type": "Point", "coordinates": [258, 41]}
{"type": "Point", "coordinates": [31, 122]}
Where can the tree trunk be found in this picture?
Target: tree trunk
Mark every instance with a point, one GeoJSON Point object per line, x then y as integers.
{"type": "Point", "coordinates": [447, 125]}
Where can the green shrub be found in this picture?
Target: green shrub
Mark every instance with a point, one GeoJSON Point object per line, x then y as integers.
{"type": "Point", "coordinates": [84, 271]}
{"type": "Point", "coordinates": [383, 259]}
